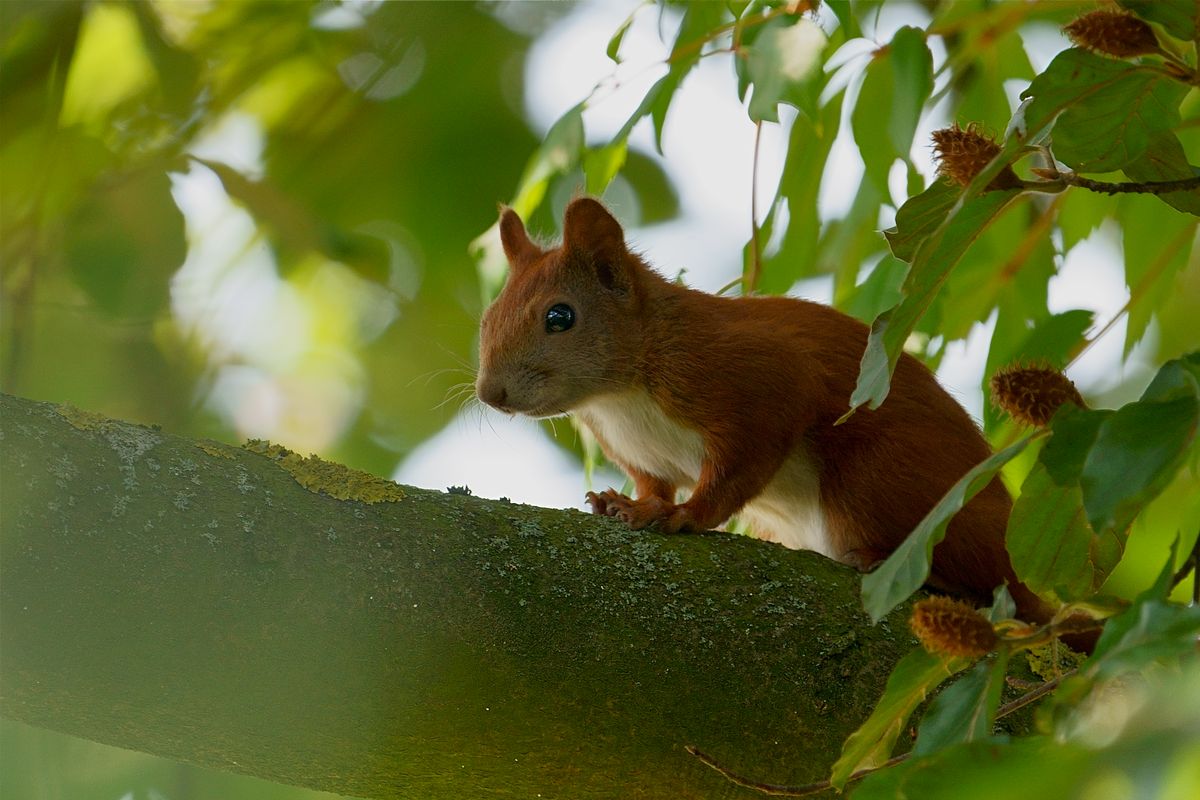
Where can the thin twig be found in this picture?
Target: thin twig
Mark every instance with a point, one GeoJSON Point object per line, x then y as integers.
{"type": "Point", "coordinates": [1190, 565]}
{"type": "Point", "coordinates": [1135, 292]}
{"type": "Point", "coordinates": [1133, 187]}
{"type": "Point", "coordinates": [779, 790]}
{"type": "Point", "coordinates": [1034, 235]}
{"type": "Point", "coordinates": [1061, 179]}
{"type": "Point", "coordinates": [805, 790]}
{"type": "Point", "coordinates": [1033, 695]}
{"type": "Point", "coordinates": [755, 255]}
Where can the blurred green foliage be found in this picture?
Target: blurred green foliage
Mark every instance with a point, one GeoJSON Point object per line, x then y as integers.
{"type": "Point", "coordinates": [372, 143]}
{"type": "Point", "coordinates": [386, 134]}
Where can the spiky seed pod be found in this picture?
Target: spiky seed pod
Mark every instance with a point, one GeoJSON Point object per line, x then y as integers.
{"type": "Point", "coordinates": [1113, 33]}
{"type": "Point", "coordinates": [962, 153]}
{"type": "Point", "coordinates": [1031, 394]}
{"type": "Point", "coordinates": [946, 625]}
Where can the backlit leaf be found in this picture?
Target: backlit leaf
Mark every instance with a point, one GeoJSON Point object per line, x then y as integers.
{"type": "Point", "coordinates": [601, 164]}
{"type": "Point", "coordinates": [1049, 539]}
{"type": "Point", "coordinates": [965, 710]}
{"type": "Point", "coordinates": [1110, 110]}
{"type": "Point", "coordinates": [560, 151]}
{"type": "Point", "coordinates": [1177, 16]}
{"type": "Point", "coordinates": [1165, 160]}
{"type": "Point", "coordinates": [893, 93]}
{"type": "Point", "coordinates": [783, 62]}
{"type": "Point", "coordinates": [907, 568]}
{"type": "Point", "coordinates": [1139, 447]}
{"type": "Point", "coordinates": [613, 51]}
{"type": "Point", "coordinates": [1157, 245]}
{"type": "Point", "coordinates": [917, 674]}
{"type": "Point", "coordinates": [912, 67]}
{"type": "Point", "coordinates": [935, 241]}
{"type": "Point", "coordinates": [799, 188]}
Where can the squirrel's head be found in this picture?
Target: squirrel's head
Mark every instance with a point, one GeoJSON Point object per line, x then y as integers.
{"type": "Point", "coordinates": [565, 326]}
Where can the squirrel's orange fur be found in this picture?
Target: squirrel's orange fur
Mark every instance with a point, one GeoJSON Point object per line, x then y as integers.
{"type": "Point", "coordinates": [735, 399]}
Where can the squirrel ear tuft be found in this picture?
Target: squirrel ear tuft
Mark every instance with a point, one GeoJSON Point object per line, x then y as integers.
{"type": "Point", "coordinates": [589, 228]}
{"type": "Point", "coordinates": [517, 248]}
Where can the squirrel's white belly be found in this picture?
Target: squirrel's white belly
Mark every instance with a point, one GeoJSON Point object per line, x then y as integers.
{"type": "Point", "coordinates": [636, 431]}
{"type": "Point", "coordinates": [789, 510]}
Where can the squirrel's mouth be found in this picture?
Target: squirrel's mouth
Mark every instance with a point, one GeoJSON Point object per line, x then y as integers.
{"type": "Point", "coordinates": [536, 412]}
{"type": "Point", "coordinates": [551, 414]}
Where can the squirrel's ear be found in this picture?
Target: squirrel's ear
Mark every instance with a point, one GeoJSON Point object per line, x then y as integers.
{"type": "Point", "coordinates": [517, 248]}
{"type": "Point", "coordinates": [589, 228]}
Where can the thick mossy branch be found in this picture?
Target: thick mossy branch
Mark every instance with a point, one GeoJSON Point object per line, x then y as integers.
{"type": "Point", "coordinates": [193, 600]}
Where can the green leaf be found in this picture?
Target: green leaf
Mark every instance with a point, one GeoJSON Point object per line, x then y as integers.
{"type": "Point", "coordinates": [870, 117]}
{"type": "Point", "coordinates": [919, 218]}
{"type": "Point", "coordinates": [1081, 213]}
{"type": "Point", "coordinates": [559, 152]}
{"type": "Point", "coordinates": [1157, 245]}
{"type": "Point", "coordinates": [656, 197]}
{"type": "Point", "coordinates": [906, 569]}
{"type": "Point", "coordinates": [124, 242]}
{"type": "Point", "coordinates": [782, 60]}
{"type": "Point", "coordinates": [893, 93]}
{"type": "Point", "coordinates": [1139, 448]}
{"type": "Point", "coordinates": [1049, 539]}
{"type": "Point", "coordinates": [656, 101]}
{"type": "Point", "coordinates": [965, 710]}
{"type": "Point", "coordinates": [601, 164]}
{"type": "Point", "coordinates": [913, 678]}
{"type": "Point", "coordinates": [697, 26]}
{"type": "Point", "coordinates": [614, 43]}
{"type": "Point", "coordinates": [1007, 268]}
{"type": "Point", "coordinates": [1177, 16]}
{"type": "Point", "coordinates": [845, 17]}
{"type": "Point", "coordinates": [1035, 768]}
{"type": "Point", "coordinates": [799, 188]}
{"type": "Point", "coordinates": [1110, 110]}
{"type": "Point", "coordinates": [296, 231]}
{"type": "Point", "coordinates": [1074, 431]}
{"type": "Point", "coordinates": [1149, 632]}
{"type": "Point", "coordinates": [881, 290]}
{"type": "Point", "coordinates": [847, 243]}
{"type": "Point", "coordinates": [912, 68]}
{"type": "Point", "coordinates": [1003, 605]}
{"type": "Point", "coordinates": [936, 253]}
{"type": "Point", "coordinates": [1165, 160]}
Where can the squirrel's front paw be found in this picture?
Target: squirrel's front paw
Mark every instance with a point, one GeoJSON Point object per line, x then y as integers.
{"type": "Point", "coordinates": [606, 503]}
{"type": "Point", "coordinates": [642, 513]}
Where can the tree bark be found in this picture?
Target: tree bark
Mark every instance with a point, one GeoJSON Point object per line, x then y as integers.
{"type": "Point", "coordinates": [194, 600]}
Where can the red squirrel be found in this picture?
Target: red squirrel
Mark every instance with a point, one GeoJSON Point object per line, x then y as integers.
{"type": "Point", "coordinates": [734, 399]}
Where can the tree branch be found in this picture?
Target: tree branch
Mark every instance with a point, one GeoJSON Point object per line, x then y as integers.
{"type": "Point", "coordinates": [1057, 180]}
{"type": "Point", "coordinates": [193, 600]}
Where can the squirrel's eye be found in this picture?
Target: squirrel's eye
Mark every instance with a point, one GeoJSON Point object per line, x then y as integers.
{"type": "Point", "coordinates": [559, 318]}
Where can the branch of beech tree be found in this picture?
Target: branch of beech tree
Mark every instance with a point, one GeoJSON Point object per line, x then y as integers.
{"type": "Point", "coordinates": [193, 600]}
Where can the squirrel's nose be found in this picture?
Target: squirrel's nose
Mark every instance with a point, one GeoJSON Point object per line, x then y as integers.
{"type": "Point", "coordinates": [492, 392]}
